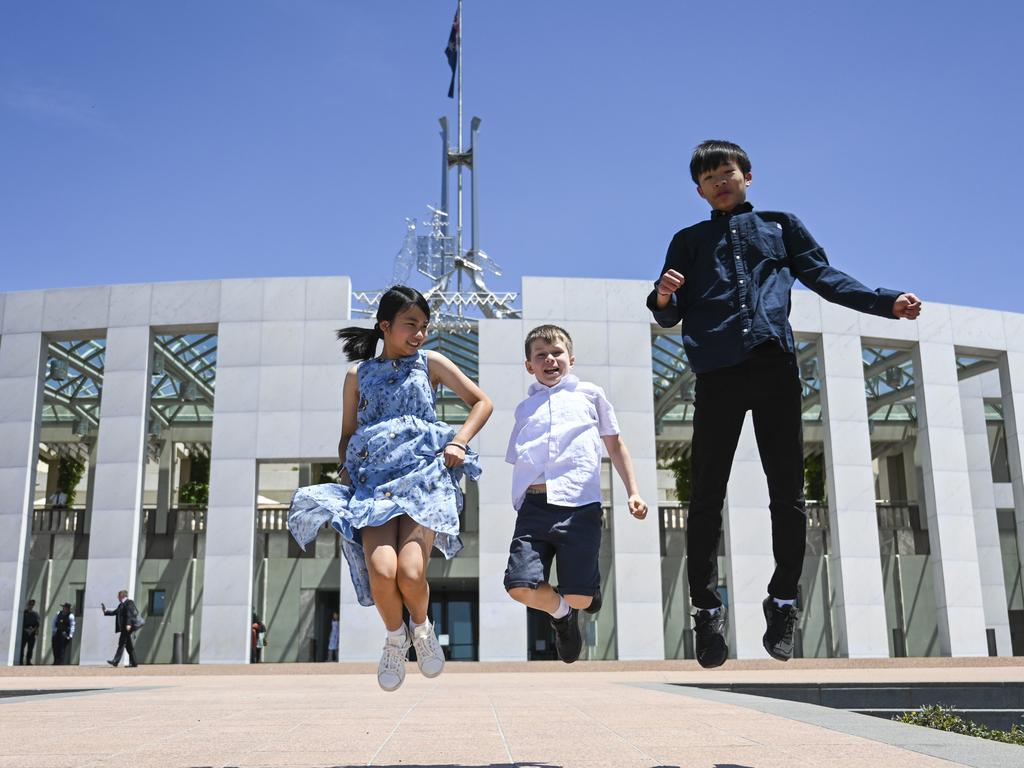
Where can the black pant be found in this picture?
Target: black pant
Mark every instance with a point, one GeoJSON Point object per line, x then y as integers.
{"type": "Point", "coordinates": [766, 383]}
{"type": "Point", "coordinates": [124, 643]}
{"type": "Point", "coordinates": [60, 645]}
{"type": "Point", "coordinates": [28, 646]}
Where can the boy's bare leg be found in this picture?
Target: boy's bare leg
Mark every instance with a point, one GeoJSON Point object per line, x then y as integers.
{"type": "Point", "coordinates": [414, 543]}
{"type": "Point", "coordinates": [380, 547]}
{"type": "Point", "coordinates": [545, 598]}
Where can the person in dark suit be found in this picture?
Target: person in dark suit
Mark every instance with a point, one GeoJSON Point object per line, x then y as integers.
{"type": "Point", "coordinates": [126, 621]}
{"type": "Point", "coordinates": [29, 630]}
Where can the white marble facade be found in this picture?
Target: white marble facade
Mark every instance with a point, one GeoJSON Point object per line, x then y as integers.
{"type": "Point", "coordinates": [279, 374]}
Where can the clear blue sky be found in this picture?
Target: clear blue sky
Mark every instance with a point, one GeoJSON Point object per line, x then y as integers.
{"type": "Point", "coordinates": [163, 141]}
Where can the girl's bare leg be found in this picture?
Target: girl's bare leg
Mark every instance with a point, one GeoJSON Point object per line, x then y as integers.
{"type": "Point", "coordinates": [380, 547]}
{"type": "Point", "coordinates": [414, 543]}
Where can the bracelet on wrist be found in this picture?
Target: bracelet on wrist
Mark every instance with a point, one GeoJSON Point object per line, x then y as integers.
{"type": "Point", "coordinates": [465, 448]}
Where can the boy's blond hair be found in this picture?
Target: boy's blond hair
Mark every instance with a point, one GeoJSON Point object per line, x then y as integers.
{"type": "Point", "coordinates": [552, 334]}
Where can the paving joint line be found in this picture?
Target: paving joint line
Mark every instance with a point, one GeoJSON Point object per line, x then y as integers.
{"type": "Point", "coordinates": [395, 729]}
{"type": "Point", "coordinates": [501, 732]}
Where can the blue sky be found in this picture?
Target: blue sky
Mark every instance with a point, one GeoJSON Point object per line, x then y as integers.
{"type": "Point", "coordinates": [165, 141]}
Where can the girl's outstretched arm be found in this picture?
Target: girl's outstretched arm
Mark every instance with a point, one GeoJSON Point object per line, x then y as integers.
{"type": "Point", "coordinates": [349, 421]}
{"type": "Point", "coordinates": [444, 371]}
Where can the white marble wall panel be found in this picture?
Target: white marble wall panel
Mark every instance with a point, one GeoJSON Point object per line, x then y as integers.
{"type": "Point", "coordinates": [117, 491]}
{"type": "Point", "coordinates": [76, 309]}
{"type": "Point", "coordinates": [23, 312]}
{"type": "Point", "coordinates": [21, 363]}
{"type": "Point", "coordinates": [855, 560]}
{"type": "Point", "coordinates": [747, 526]}
{"type": "Point", "coordinates": [947, 490]}
{"type": "Point", "coordinates": [503, 377]}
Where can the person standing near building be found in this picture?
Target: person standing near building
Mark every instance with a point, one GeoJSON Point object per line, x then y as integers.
{"type": "Point", "coordinates": [258, 640]}
{"type": "Point", "coordinates": [126, 621]}
{"type": "Point", "coordinates": [63, 632]}
{"type": "Point", "coordinates": [29, 631]}
{"type": "Point", "coordinates": [332, 640]}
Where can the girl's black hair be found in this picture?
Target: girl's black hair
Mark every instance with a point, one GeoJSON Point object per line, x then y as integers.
{"type": "Point", "coordinates": [361, 343]}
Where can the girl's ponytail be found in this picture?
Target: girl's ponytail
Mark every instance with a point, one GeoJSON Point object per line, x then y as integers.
{"type": "Point", "coordinates": [360, 343]}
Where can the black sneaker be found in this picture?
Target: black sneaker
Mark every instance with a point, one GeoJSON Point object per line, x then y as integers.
{"type": "Point", "coordinates": [568, 639]}
{"type": "Point", "coordinates": [709, 628]}
{"type": "Point", "coordinates": [112, 663]}
{"type": "Point", "coordinates": [595, 603]}
{"type": "Point", "coordinates": [778, 638]}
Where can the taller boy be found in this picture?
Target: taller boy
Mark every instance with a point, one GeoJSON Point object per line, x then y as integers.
{"type": "Point", "coordinates": [728, 280]}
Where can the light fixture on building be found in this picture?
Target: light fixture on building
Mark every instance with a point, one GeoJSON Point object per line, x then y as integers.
{"type": "Point", "coordinates": [190, 392]}
{"type": "Point", "coordinates": [158, 364]}
{"type": "Point", "coordinates": [80, 427]}
{"type": "Point", "coordinates": [57, 370]}
{"type": "Point", "coordinates": [155, 427]}
{"type": "Point", "coordinates": [809, 369]}
{"type": "Point", "coordinates": [894, 377]}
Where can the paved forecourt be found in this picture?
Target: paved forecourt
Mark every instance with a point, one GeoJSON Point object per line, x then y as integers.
{"type": "Point", "coordinates": [541, 714]}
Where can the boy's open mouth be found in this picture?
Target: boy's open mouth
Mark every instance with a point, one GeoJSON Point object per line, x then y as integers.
{"type": "Point", "coordinates": [552, 371]}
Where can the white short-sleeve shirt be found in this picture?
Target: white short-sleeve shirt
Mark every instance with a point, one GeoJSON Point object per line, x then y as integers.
{"type": "Point", "coordinates": [557, 440]}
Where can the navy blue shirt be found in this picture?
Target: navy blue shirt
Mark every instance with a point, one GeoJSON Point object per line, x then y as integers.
{"type": "Point", "coordinates": [739, 269]}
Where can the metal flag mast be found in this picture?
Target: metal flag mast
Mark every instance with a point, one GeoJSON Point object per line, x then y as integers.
{"type": "Point", "coordinates": [436, 254]}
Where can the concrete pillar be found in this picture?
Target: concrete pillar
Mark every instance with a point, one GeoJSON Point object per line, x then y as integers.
{"type": "Point", "coordinates": [983, 501]}
{"type": "Point", "coordinates": [21, 363]}
{"type": "Point", "coordinates": [231, 512]}
{"type": "Point", "coordinates": [504, 379]}
{"type": "Point", "coordinates": [748, 547]}
{"type": "Point", "coordinates": [853, 526]}
{"type": "Point", "coordinates": [117, 496]}
{"type": "Point", "coordinates": [947, 490]}
{"type": "Point", "coordinates": [1011, 382]}
{"type": "Point", "coordinates": [638, 607]}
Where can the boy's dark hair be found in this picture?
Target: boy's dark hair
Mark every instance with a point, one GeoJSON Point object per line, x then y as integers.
{"type": "Point", "coordinates": [361, 343]}
{"type": "Point", "coordinates": [714, 152]}
{"type": "Point", "coordinates": [552, 334]}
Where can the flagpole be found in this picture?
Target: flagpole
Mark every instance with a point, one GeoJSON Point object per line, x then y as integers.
{"type": "Point", "coordinates": [458, 231]}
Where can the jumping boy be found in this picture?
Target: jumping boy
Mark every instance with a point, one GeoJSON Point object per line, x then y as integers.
{"type": "Point", "coordinates": [728, 280]}
{"type": "Point", "coordinates": [556, 488]}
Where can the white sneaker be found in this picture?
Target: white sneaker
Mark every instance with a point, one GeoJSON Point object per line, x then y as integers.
{"type": "Point", "coordinates": [429, 655]}
{"type": "Point", "coordinates": [391, 670]}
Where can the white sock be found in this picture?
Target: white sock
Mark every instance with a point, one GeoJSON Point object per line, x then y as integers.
{"type": "Point", "coordinates": [562, 610]}
{"type": "Point", "coordinates": [782, 603]}
{"type": "Point", "coordinates": [397, 634]}
{"type": "Point", "coordinates": [713, 611]}
{"type": "Point", "coordinates": [414, 626]}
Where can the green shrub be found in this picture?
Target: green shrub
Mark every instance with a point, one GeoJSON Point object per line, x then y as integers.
{"type": "Point", "coordinates": [946, 719]}
{"type": "Point", "coordinates": [69, 475]}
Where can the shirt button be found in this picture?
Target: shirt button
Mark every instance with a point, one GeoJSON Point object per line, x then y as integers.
{"type": "Point", "coordinates": [745, 330]}
{"type": "Point", "coordinates": [734, 231]}
{"type": "Point", "coordinates": [391, 435]}
{"type": "Point", "coordinates": [741, 282]}
{"type": "Point", "coordinates": [387, 494]}
{"type": "Point", "coordinates": [743, 306]}
{"type": "Point", "coordinates": [737, 258]}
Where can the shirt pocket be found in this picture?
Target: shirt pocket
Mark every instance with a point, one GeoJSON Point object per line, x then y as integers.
{"type": "Point", "coordinates": [768, 242]}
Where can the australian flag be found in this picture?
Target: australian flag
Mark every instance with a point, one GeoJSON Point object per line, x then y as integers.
{"type": "Point", "coordinates": [452, 52]}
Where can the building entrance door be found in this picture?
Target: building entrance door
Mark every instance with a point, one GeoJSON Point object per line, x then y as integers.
{"type": "Point", "coordinates": [327, 602]}
{"type": "Point", "coordinates": [454, 616]}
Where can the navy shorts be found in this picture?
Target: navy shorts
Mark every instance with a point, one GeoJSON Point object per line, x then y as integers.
{"type": "Point", "coordinates": [545, 530]}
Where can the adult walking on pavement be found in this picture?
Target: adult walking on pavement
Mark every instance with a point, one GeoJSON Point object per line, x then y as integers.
{"type": "Point", "coordinates": [126, 621]}
{"type": "Point", "coordinates": [29, 630]}
{"type": "Point", "coordinates": [63, 632]}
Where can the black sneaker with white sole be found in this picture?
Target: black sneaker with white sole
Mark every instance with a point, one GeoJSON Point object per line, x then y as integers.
{"type": "Point", "coordinates": [568, 639]}
{"type": "Point", "coordinates": [709, 630]}
{"type": "Point", "coordinates": [781, 621]}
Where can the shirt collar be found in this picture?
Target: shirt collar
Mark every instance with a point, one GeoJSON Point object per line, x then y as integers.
{"type": "Point", "coordinates": [741, 208]}
{"type": "Point", "coordinates": [568, 382]}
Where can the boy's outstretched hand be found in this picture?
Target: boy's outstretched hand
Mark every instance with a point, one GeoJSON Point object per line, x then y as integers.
{"type": "Point", "coordinates": [637, 507]}
{"type": "Point", "coordinates": [907, 307]}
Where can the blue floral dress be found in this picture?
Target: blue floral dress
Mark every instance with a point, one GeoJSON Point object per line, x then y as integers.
{"type": "Point", "coordinates": [395, 460]}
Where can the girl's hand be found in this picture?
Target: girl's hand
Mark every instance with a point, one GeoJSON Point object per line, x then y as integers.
{"type": "Point", "coordinates": [343, 477]}
{"type": "Point", "coordinates": [454, 455]}
{"type": "Point", "coordinates": [637, 507]}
